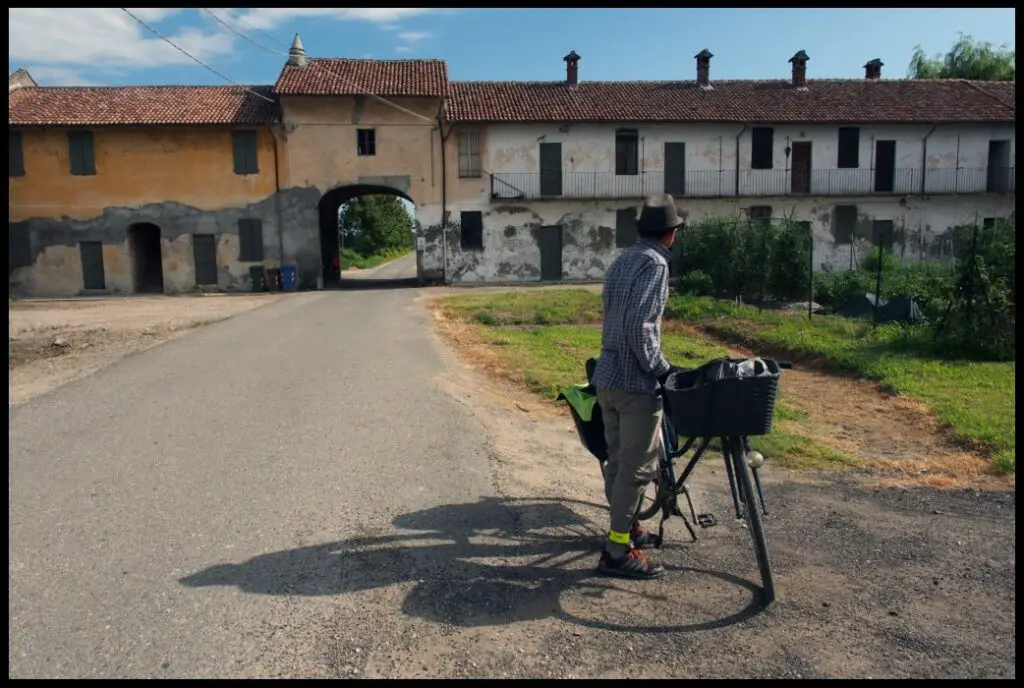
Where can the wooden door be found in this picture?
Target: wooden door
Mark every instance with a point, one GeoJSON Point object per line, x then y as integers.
{"type": "Point", "coordinates": [550, 169]}
{"type": "Point", "coordinates": [885, 166]}
{"type": "Point", "coordinates": [549, 241]}
{"type": "Point", "coordinates": [800, 180]}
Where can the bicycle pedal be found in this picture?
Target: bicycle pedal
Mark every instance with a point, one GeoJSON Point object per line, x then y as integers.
{"type": "Point", "coordinates": [706, 520]}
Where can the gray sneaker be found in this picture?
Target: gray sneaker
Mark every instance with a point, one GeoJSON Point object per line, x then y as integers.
{"type": "Point", "coordinates": [630, 565]}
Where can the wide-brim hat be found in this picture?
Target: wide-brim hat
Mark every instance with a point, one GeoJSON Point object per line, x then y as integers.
{"type": "Point", "coordinates": [658, 215]}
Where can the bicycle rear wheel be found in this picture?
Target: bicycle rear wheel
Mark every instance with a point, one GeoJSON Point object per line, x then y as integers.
{"type": "Point", "coordinates": [650, 503]}
{"type": "Point", "coordinates": [753, 513]}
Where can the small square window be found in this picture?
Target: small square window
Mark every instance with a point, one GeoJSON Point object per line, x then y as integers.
{"type": "Point", "coordinates": [366, 141]}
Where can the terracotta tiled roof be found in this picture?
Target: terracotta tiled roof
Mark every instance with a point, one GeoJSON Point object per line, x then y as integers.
{"type": "Point", "coordinates": [826, 101]}
{"type": "Point", "coordinates": [99, 106]}
{"type": "Point", "coordinates": [351, 77]}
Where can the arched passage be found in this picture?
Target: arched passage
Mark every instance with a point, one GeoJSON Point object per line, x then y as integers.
{"type": "Point", "coordinates": [147, 258]}
{"type": "Point", "coordinates": [330, 243]}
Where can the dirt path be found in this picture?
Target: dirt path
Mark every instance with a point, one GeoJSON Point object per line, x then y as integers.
{"type": "Point", "coordinates": [53, 342]}
{"type": "Point", "coordinates": [899, 440]}
{"type": "Point", "coordinates": [874, 581]}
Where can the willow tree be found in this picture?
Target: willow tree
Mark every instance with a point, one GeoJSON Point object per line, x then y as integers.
{"type": "Point", "coordinates": [967, 59]}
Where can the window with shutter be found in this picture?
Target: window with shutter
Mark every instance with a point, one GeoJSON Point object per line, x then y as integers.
{"type": "Point", "coordinates": [80, 151]}
{"type": "Point", "coordinates": [15, 156]}
{"type": "Point", "coordinates": [245, 152]}
{"type": "Point", "coordinates": [469, 154]}
{"type": "Point", "coordinates": [250, 240]}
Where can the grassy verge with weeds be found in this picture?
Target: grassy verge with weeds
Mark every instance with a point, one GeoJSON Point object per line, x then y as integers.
{"type": "Point", "coordinates": [546, 341]}
{"type": "Point", "coordinates": [976, 399]}
{"type": "Point", "coordinates": [548, 334]}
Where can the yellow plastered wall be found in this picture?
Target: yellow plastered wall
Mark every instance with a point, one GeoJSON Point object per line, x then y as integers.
{"type": "Point", "coordinates": [136, 166]}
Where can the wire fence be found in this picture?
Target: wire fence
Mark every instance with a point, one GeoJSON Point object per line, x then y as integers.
{"type": "Point", "coordinates": [878, 272]}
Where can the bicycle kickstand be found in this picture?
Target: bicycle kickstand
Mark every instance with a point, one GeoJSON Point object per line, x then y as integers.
{"type": "Point", "coordinates": [693, 512]}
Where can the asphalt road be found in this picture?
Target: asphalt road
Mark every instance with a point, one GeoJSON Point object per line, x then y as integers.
{"type": "Point", "coordinates": [403, 268]}
{"type": "Point", "coordinates": [137, 495]}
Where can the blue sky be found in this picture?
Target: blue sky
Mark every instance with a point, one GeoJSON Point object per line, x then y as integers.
{"type": "Point", "coordinates": [104, 46]}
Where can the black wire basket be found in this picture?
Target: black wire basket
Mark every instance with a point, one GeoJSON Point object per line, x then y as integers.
{"type": "Point", "coordinates": [730, 406]}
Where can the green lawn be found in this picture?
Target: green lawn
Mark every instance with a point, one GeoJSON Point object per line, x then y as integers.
{"type": "Point", "coordinates": [548, 334]}
{"type": "Point", "coordinates": [551, 357]}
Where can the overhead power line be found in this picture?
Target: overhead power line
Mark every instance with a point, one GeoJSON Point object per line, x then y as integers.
{"type": "Point", "coordinates": [193, 57]}
{"type": "Point", "coordinates": [363, 90]}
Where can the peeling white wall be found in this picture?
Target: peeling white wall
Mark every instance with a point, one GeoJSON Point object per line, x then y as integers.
{"type": "Point", "coordinates": [511, 252]}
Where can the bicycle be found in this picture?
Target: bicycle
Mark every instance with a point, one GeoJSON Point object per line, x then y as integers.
{"type": "Point", "coordinates": [704, 412]}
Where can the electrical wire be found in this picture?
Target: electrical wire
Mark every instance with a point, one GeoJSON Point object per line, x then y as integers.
{"type": "Point", "coordinates": [314, 63]}
{"type": "Point", "coordinates": [194, 58]}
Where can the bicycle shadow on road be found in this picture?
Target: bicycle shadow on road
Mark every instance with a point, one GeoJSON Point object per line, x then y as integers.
{"type": "Point", "coordinates": [491, 562]}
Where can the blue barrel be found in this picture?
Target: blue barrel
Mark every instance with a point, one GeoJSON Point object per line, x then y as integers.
{"type": "Point", "coordinates": [288, 274]}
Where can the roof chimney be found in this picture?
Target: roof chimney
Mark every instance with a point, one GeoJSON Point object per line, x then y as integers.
{"type": "Point", "coordinates": [873, 69]}
{"type": "Point", "coordinates": [800, 69]}
{"type": "Point", "coordinates": [704, 68]}
{"type": "Point", "coordinates": [572, 69]}
{"type": "Point", "coordinates": [296, 53]}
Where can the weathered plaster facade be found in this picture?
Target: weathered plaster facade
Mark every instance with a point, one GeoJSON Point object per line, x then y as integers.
{"type": "Point", "coordinates": [180, 179]}
{"type": "Point", "coordinates": [592, 193]}
{"type": "Point", "coordinates": [321, 134]}
{"type": "Point", "coordinates": [511, 250]}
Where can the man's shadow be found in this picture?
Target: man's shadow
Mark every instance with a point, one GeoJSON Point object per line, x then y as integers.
{"type": "Point", "coordinates": [530, 547]}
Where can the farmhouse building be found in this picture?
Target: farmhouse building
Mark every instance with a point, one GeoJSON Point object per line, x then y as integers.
{"type": "Point", "coordinates": [174, 188]}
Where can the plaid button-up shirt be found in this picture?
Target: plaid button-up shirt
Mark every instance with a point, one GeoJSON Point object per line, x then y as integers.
{"type": "Point", "coordinates": [635, 292]}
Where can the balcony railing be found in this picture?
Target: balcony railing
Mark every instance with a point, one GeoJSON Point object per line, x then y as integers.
{"type": "Point", "coordinates": [532, 186]}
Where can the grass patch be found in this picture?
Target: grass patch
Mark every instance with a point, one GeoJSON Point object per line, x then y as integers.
{"type": "Point", "coordinates": [799, 452]}
{"type": "Point", "coordinates": [550, 357]}
{"type": "Point", "coordinates": [555, 307]}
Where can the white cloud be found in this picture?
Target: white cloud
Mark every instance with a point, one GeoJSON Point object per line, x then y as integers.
{"type": "Point", "coordinates": [269, 17]}
{"type": "Point", "coordinates": [104, 39]}
{"type": "Point", "coordinates": [413, 36]}
{"type": "Point", "coordinates": [59, 46]}
{"type": "Point", "coordinates": [410, 38]}
{"type": "Point", "coordinates": [60, 76]}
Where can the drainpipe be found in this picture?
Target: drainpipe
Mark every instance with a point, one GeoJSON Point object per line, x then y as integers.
{"type": "Point", "coordinates": [444, 188]}
{"type": "Point", "coordinates": [737, 186]}
{"type": "Point", "coordinates": [924, 156]}
{"type": "Point", "coordinates": [276, 199]}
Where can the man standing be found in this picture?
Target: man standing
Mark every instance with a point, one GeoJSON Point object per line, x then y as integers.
{"type": "Point", "coordinates": [629, 369]}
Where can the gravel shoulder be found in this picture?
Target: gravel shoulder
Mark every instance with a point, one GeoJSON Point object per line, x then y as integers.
{"type": "Point", "coordinates": [874, 580]}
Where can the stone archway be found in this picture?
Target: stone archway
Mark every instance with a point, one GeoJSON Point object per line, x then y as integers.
{"type": "Point", "coordinates": [329, 205]}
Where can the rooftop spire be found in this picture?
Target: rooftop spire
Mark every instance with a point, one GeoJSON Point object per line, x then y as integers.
{"type": "Point", "coordinates": [296, 53]}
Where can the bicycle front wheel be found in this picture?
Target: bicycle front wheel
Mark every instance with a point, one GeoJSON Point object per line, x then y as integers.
{"type": "Point", "coordinates": [753, 513]}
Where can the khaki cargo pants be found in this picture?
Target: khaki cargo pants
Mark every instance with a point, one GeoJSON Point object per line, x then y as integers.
{"type": "Point", "coordinates": [632, 428]}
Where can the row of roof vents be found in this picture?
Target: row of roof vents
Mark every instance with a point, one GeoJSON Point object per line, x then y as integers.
{"type": "Point", "coordinates": [872, 70]}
